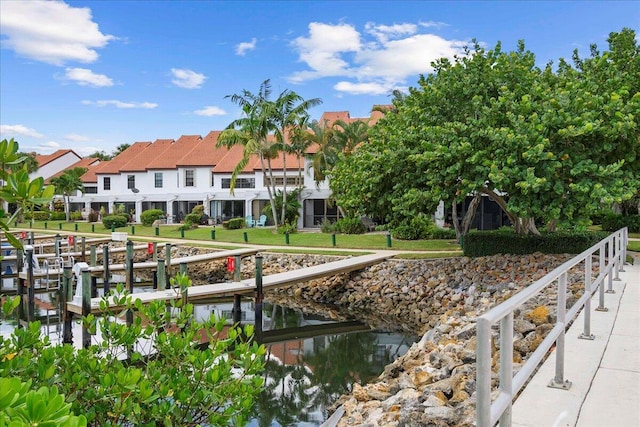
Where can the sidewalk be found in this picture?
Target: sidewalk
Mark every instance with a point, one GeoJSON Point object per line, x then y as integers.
{"type": "Point", "coordinates": [604, 372]}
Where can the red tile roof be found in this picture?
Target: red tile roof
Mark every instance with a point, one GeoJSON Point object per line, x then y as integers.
{"type": "Point", "coordinates": [43, 159]}
{"type": "Point", "coordinates": [86, 162]}
{"type": "Point", "coordinates": [228, 163]}
{"type": "Point", "coordinates": [113, 166]}
{"type": "Point", "coordinates": [205, 152]}
{"type": "Point", "coordinates": [140, 161]}
{"type": "Point", "coordinates": [172, 155]}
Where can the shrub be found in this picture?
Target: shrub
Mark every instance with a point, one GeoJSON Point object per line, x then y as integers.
{"type": "Point", "coordinates": [192, 220]}
{"type": "Point", "coordinates": [327, 226]}
{"type": "Point", "coordinates": [614, 222]}
{"type": "Point", "coordinates": [37, 216]}
{"type": "Point", "coordinates": [349, 226]}
{"type": "Point", "coordinates": [484, 243]}
{"type": "Point", "coordinates": [287, 228]}
{"type": "Point", "coordinates": [442, 233]}
{"type": "Point", "coordinates": [114, 221]}
{"type": "Point", "coordinates": [417, 228]}
{"type": "Point", "coordinates": [57, 216]}
{"type": "Point", "coordinates": [93, 216]}
{"type": "Point", "coordinates": [233, 224]}
{"type": "Point", "coordinates": [75, 216]}
{"type": "Point", "coordinates": [149, 216]}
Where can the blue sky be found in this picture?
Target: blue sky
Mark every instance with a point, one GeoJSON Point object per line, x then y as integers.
{"type": "Point", "coordinates": [91, 75]}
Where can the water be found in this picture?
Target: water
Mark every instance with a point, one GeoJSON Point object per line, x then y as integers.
{"type": "Point", "coordinates": [310, 362]}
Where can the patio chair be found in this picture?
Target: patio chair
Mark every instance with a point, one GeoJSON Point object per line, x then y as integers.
{"type": "Point", "coordinates": [262, 221]}
{"type": "Point", "coordinates": [250, 222]}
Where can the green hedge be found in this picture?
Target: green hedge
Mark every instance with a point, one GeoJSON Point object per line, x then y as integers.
{"type": "Point", "coordinates": [37, 216]}
{"type": "Point", "coordinates": [484, 243]}
{"type": "Point", "coordinates": [614, 222]}
{"type": "Point", "coordinates": [114, 221]}
{"type": "Point", "coordinates": [233, 224]}
{"type": "Point", "coordinates": [349, 226]}
{"type": "Point", "coordinates": [150, 215]}
{"type": "Point", "coordinates": [58, 216]}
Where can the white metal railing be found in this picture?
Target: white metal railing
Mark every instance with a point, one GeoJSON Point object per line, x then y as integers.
{"type": "Point", "coordinates": [612, 254]}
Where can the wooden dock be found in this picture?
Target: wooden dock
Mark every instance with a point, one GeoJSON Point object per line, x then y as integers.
{"type": "Point", "coordinates": [247, 286]}
{"type": "Point", "coordinates": [150, 265]}
{"type": "Point", "coordinates": [77, 254]}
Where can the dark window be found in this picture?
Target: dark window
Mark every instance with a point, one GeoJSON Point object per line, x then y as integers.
{"type": "Point", "coordinates": [212, 179]}
{"type": "Point", "coordinates": [131, 181]}
{"type": "Point", "coordinates": [90, 190]}
{"type": "Point", "coordinates": [240, 183]}
{"type": "Point", "coordinates": [107, 183]}
{"type": "Point", "coordinates": [189, 180]}
{"type": "Point", "coordinates": [158, 179]}
{"type": "Point", "coordinates": [292, 181]}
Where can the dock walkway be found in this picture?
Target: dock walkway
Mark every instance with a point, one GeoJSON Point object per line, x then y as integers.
{"type": "Point", "coordinates": [248, 286]}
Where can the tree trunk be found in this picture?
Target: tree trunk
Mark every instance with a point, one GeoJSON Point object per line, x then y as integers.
{"type": "Point", "coordinates": [552, 226]}
{"type": "Point", "coordinates": [470, 213]}
{"type": "Point", "coordinates": [454, 219]}
{"type": "Point", "coordinates": [283, 211]}
{"type": "Point", "coordinates": [272, 192]}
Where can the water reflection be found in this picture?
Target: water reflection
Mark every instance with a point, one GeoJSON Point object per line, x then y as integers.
{"type": "Point", "coordinates": [304, 377]}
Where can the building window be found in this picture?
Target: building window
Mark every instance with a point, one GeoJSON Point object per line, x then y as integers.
{"type": "Point", "coordinates": [212, 179]}
{"type": "Point", "coordinates": [189, 178]}
{"type": "Point", "coordinates": [90, 190]}
{"type": "Point", "coordinates": [240, 183]}
{"type": "Point", "coordinates": [292, 181]}
{"type": "Point", "coordinates": [131, 181]}
{"type": "Point", "coordinates": [106, 183]}
{"type": "Point", "coordinates": [158, 179]}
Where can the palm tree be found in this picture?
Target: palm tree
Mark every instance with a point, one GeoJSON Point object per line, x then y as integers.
{"type": "Point", "coordinates": [350, 135]}
{"type": "Point", "coordinates": [67, 184]}
{"type": "Point", "coordinates": [289, 112]}
{"type": "Point", "coordinates": [252, 132]}
{"type": "Point", "coordinates": [29, 161]}
{"type": "Point", "coordinates": [328, 148]}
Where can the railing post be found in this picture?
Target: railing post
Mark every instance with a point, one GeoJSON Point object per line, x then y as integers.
{"type": "Point", "coordinates": [483, 373]}
{"type": "Point", "coordinates": [586, 334]}
{"type": "Point", "coordinates": [31, 283]}
{"type": "Point", "coordinates": [259, 297]}
{"type": "Point", "coordinates": [105, 264]}
{"type": "Point", "coordinates": [83, 246]}
{"type": "Point", "coordinates": [167, 257]}
{"type": "Point", "coordinates": [623, 249]}
{"type": "Point", "coordinates": [506, 365]}
{"type": "Point", "coordinates": [611, 260]}
{"type": "Point", "coordinates": [93, 258]}
{"type": "Point", "coordinates": [617, 249]}
{"type": "Point", "coordinates": [561, 314]}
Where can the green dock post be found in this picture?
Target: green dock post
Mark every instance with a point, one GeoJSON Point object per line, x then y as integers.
{"type": "Point", "coordinates": [113, 228]}
{"type": "Point", "coordinates": [133, 230]}
{"type": "Point", "coordinates": [183, 267]}
{"type": "Point", "coordinates": [75, 243]}
{"type": "Point", "coordinates": [333, 239]}
{"type": "Point", "coordinates": [161, 274]}
{"type": "Point", "coordinates": [59, 226]}
{"type": "Point", "coordinates": [83, 246]}
{"type": "Point", "coordinates": [213, 234]}
{"type": "Point", "coordinates": [93, 258]}
{"type": "Point", "coordinates": [93, 228]}
{"type": "Point", "coordinates": [182, 233]}
{"type": "Point", "coordinates": [246, 237]}
{"type": "Point", "coordinates": [157, 231]}
{"type": "Point", "coordinates": [237, 271]}
{"type": "Point", "coordinates": [286, 238]}
{"type": "Point", "coordinates": [388, 240]}
{"type": "Point", "coordinates": [155, 252]}
{"type": "Point", "coordinates": [75, 226]}
{"type": "Point", "coordinates": [66, 296]}
{"type": "Point", "coordinates": [167, 257]}
{"type": "Point", "coordinates": [46, 225]}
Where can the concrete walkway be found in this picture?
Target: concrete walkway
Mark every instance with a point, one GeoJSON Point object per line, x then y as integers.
{"type": "Point", "coordinates": [604, 372]}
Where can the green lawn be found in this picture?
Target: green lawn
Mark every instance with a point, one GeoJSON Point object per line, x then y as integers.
{"type": "Point", "coordinates": [258, 236]}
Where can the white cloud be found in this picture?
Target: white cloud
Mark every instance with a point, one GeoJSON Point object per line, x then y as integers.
{"type": "Point", "coordinates": [187, 79]}
{"type": "Point", "coordinates": [51, 31]}
{"type": "Point", "coordinates": [370, 88]}
{"type": "Point", "coordinates": [241, 48]}
{"type": "Point", "coordinates": [86, 77]}
{"type": "Point", "coordinates": [121, 104]}
{"type": "Point", "coordinates": [210, 110]}
{"type": "Point", "coordinates": [379, 60]}
{"type": "Point", "coordinates": [323, 50]}
{"type": "Point", "coordinates": [12, 130]}
{"type": "Point", "coordinates": [48, 146]}
{"type": "Point", "coordinates": [75, 137]}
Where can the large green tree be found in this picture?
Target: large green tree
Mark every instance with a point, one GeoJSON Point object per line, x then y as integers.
{"type": "Point", "coordinates": [545, 145]}
{"type": "Point", "coordinates": [67, 184]}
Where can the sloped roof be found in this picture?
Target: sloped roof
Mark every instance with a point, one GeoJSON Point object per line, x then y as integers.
{"type": "Point", "coordinates": [85, 162]}
{"type": "Point", "coordinates": [140, 161]}
{"type": "Point", "coordinates": [113, 166]}
{"type": "Point", "coordinates": [205, 152]}
{"type": "Point", "coordinates": [228, 163]}
{"type": "Point", "coordinates": [278, 163]}
{"type": "Point", "coordinates": [172, 155]}
{"type": "Point", "coordinates": [43, 159]}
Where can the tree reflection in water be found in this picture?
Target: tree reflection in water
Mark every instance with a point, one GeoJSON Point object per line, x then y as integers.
{"type": "Point", "coordinates": [304, 377]}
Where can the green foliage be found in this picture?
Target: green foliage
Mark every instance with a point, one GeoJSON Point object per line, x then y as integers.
{"type": "Point", "coordinates": [21, 406]}
{"type": "Point", "coordinates": [349, 226]}
{"type": "Point", "coordinates": [75, 216]}
{"type": "Point", "coordinates": [180, 372]}
{"type": "Point", "coordinates": [417, 228]}
{"type": "Point", "coordinates": [287, 228]}
{"type": "Point", "coordinates": [442, 233]}
{"type": "Point", "coordinates": [149, 216]}
{"type": "Point", "coordinates": [555, 144]}
{"type": "Point", "coordinates": [37, 215]}
{"type": "Point", "coordinates": [115, 221]}
{"type": "Point", "coordinates": [292, 206]}
{"type": "Point", "coordinates": [57, 216]}
{"type": "Point", "coordinates": [68, 183]}
{"type": "Point", "coordinates": [93, 216]}
{"type": "Point", "coordinates": [192, 220]}
{"type": "Point", "coordinates": [234, 223]}
{"type": "Point", "coordinates": [483, 243]}
{"type": "Point", "coordinates": [614, 222]}
{"type": "Point", "coordinates": [327, 226]}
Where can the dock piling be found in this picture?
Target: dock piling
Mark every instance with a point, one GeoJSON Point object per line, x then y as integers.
{"type": "Point", "coordinates": [86, 305]}
{"type": "Point", "coordinates": [259, 297]}
{"type": "Point", "coordinates": [65, 296]}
